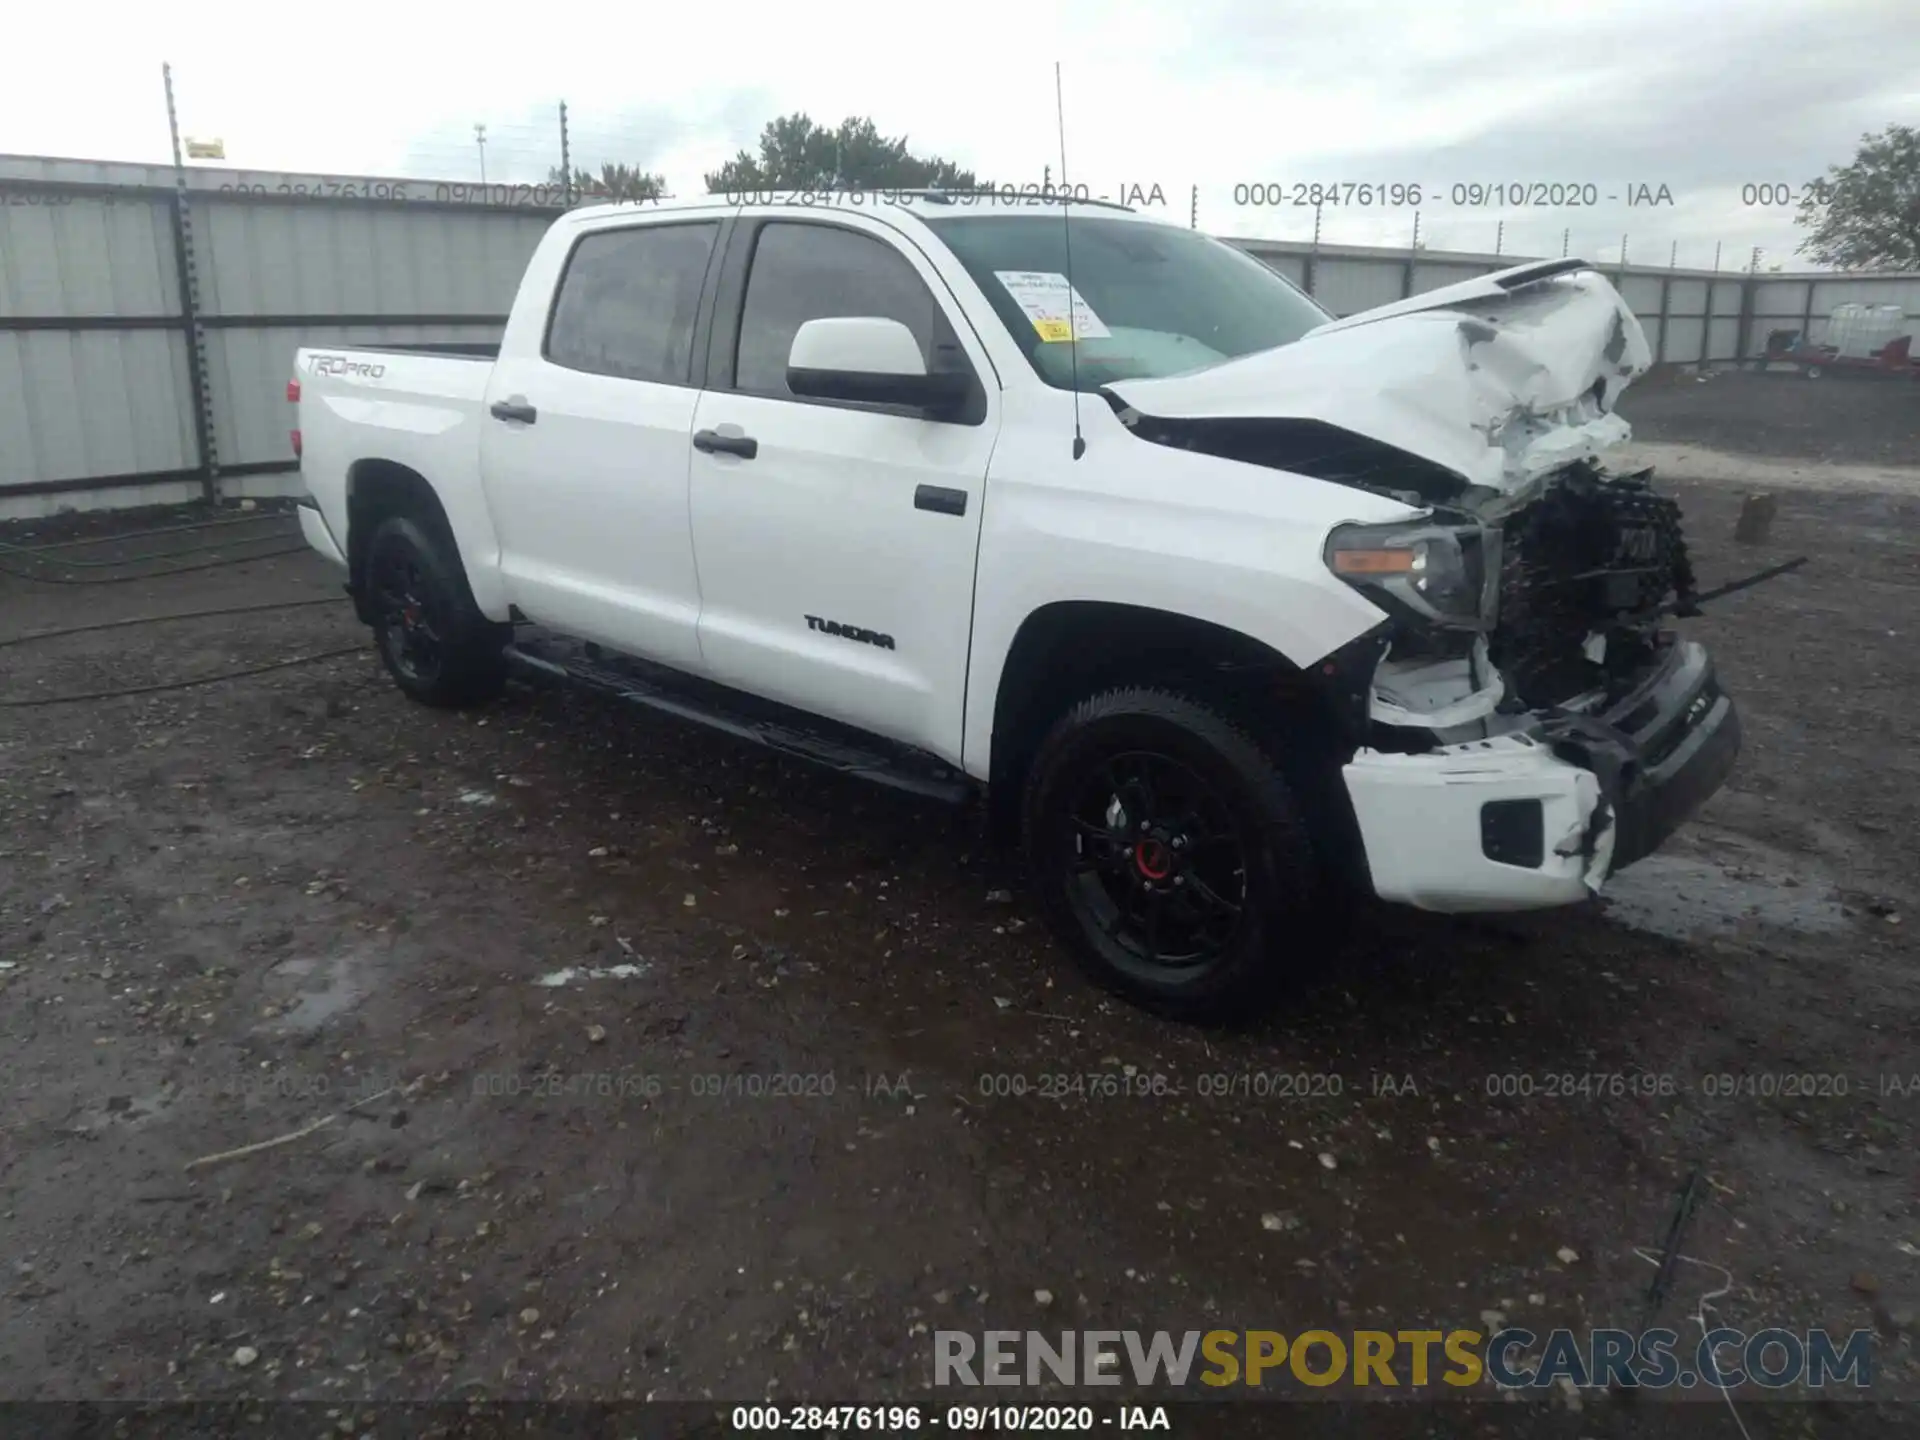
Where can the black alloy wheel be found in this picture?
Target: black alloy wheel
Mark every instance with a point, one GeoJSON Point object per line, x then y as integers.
{"type": "Point", "coordinates": [403, 609]}
{"type": "Point", "coordinates": [1159, 863]}
{"type": "Point", "coordinates": [438, 646]}
{"type": "Point", "coordinates": [1169, 854]}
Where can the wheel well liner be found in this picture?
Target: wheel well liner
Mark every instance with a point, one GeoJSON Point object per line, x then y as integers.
{"type": "Point", "coordinates": [376, 490]}
{"type": "Point", "coordinates": [1071, 649]}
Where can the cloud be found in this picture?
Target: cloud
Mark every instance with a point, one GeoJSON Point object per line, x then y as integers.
{"type": "Point", "coordinates": [1699, 95]}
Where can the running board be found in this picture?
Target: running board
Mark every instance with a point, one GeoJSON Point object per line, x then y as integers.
{"type": "Point", "coordinates": [789, 732]}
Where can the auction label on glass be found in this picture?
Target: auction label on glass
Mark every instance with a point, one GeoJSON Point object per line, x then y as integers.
{"type": "Point", "coordinates": [1045, 296]}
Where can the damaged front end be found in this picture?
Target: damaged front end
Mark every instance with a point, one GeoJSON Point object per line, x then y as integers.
{"type": "Point", "coordinates": [1526, 658]}
{"type": "Point", "coordinates": [1571, 656]}
{"type": "Point", "coordinates": [1533, 725]}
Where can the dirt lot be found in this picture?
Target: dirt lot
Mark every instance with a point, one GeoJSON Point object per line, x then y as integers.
{"type": "Point", "coordinates": [1781, 415]}
{"type": "Point", "coordinates": [536, 941]}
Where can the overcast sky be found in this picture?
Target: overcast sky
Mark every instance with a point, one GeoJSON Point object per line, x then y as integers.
{"type": "Point", "coordinates": [1701, 96]}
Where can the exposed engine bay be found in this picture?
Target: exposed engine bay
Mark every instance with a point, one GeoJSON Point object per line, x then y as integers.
{"type": "Point", "coordinates": [1529, 577]}
{"type": "Point", "coordinates": [1578, 580]}
{"type": "Point", "coordinates": [1586, 573]}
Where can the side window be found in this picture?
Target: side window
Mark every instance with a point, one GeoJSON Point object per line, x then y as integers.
{"type": "Point", "coordinates": [627, 302]}
{"type": "Point", "coordinates": [811, 272]}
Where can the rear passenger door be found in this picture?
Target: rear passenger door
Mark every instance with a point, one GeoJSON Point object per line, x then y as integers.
{"type": "Point", "coordinates": [585, 443]}
{"type": "Point", "coordinates": [837, 560]}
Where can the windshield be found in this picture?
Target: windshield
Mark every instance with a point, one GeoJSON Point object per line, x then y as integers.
{"type": "Point", "coordinates": [1148, 300]}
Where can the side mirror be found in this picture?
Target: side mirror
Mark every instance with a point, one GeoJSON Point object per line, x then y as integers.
{"type": "Point", "coordinates": [871, 359]}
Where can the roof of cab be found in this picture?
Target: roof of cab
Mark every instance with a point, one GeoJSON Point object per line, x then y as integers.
{"type": "Point", "coordinates": [920, 204]}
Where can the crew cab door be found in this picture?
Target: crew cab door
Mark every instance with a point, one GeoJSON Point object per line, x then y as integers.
{"type": "Point", "coordinates": [585, 441]}
{"type": "Point", "coordinates": [836, 539]}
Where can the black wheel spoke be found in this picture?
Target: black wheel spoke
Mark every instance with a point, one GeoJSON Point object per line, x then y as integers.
{"type": "Point", "coordinates": [1137, 883]}
{"type": "Point", "coordinates": [1210, 897]}
{"type": "Point", "coordinates": [1155, 905]}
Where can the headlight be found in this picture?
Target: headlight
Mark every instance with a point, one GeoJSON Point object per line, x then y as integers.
{"type": "Point", "coordinates": [1444, 574]}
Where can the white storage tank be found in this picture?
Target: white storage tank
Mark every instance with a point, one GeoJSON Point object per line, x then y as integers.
{"type": "Point", "coordinates": [1861, 331]}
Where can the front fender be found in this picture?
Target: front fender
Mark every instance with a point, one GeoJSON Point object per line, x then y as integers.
{"type": "Point", "coordinates": [1235, 545]}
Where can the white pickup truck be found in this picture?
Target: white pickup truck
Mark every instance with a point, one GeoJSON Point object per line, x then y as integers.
{"type": "Point", "coordinates": [1229, 607]}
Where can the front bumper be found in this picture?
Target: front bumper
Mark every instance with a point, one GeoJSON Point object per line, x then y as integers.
{"type": "Point", "coordinates": [1540, 816]}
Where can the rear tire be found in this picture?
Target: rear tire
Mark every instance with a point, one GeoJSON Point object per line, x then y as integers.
{"type": "Point", "coordinates": [437, 646]}
{"type": "Point", "coordinates": [1170, 855]}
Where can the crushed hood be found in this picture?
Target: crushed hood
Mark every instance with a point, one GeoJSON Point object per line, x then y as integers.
{"type": "Point", "coordinates": [1498, 380]}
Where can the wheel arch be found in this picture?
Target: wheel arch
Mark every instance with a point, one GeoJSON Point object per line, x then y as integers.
{"type": "Point", "coordinates": [1067, 650]}
{"type": "Point", "coordinates": [376, 490]}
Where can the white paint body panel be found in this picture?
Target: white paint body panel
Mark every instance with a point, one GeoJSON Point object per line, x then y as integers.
{"type": "Point", "coordinates": [1496, 385]}
{"type": "Point", "coordinates": [1420, 818]}
{"type": "Point", "coordinates": [313, 529]}
{"type": "Point", "coordinates": [421, 411]}
{"type": "Point", "coordinates": [603, 521]}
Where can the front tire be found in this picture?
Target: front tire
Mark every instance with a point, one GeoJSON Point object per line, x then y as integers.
{"type": "Point", "coordinates": [437, 646]}
{"type": "Point", "coordinates": [1170, 854]}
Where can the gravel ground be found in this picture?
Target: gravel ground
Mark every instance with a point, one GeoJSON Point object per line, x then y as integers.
{"type": "Point", "coordinates": [560, 956]}
{"type": "Point", "coordinates": [1780, 415]}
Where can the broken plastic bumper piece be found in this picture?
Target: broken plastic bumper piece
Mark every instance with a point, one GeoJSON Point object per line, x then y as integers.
{"type": "Point", "coordinates": [1542, 815]}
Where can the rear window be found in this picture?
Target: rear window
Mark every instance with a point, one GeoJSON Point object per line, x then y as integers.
{"type": "Point", "coordinates": [628, 299]}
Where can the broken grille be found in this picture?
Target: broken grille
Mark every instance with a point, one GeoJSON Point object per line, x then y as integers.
{"type": "Point", "coordinates": [1596, 553]}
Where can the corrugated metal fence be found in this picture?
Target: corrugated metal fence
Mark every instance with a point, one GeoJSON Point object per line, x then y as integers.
{"type": "Point", "coordinates": [148, 316]}
{"type": "Point", "coordinates": [147, 331]}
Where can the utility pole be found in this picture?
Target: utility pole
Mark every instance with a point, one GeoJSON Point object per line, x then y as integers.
{"type": "Point", "coordinates": [480, 139]}
{"type": "Point", "coordinates": [184, 251]}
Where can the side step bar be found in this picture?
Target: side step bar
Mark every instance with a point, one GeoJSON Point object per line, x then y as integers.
{"type": "Point", "coordinates": [847, 752]}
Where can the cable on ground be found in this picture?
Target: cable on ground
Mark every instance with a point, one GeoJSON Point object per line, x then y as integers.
{"type": "Point", "coordinates": [150, 574]}
{"type": "Point", "coordinates": [162, 619]}
{"type": "Point", "coordinates": [148, 530]}
{"type": "Point", "coordinates": [33, 553]}
{"type": "Point", "coordinates": [183, 684]}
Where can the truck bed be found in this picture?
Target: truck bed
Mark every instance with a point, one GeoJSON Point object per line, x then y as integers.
{"type": "Point", "coordinates": [453, 349]}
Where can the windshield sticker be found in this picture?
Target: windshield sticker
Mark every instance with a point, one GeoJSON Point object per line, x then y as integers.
{"type": "Point", "coordinates": [1045, 296]}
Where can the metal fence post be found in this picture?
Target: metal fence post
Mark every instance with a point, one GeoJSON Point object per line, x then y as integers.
{"type": "Point", "coordinates": [1666, 295]}
{"type": "Point", "coordinates": [566, 160]}
{"type": "Point", "coordinates": [1313, 254]}
{"type": "Point", "coordinates": [189, 279]}
{"type": "Point", "coordinates": [1406, 275]}
{"type": "Point", "coordinates": [1743, 331]}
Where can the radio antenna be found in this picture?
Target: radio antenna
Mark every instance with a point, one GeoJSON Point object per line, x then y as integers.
{"type": "Point", "coordinates": [1066, 235]}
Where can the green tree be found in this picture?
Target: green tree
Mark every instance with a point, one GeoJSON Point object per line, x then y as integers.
{"type": "Point", "coordinates": [797, 154]}
{"type": "Point", "coordinates": [614, 182]}
{"type": "Point", "coordinates": [1866, 215]}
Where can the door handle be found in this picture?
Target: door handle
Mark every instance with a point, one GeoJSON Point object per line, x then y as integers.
{"type": "Point", "coordinates": [712, 442]}
{"type": "Point", "coordinates": [941, 499]}
{"type": "Point", "coordinates": [513, 410]}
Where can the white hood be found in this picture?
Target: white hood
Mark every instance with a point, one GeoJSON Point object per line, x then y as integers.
{"type": "Point", "coordinates": [1499, 379]}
